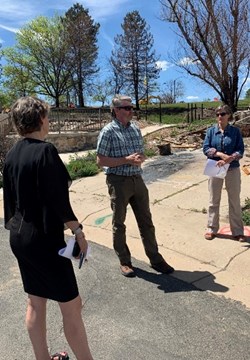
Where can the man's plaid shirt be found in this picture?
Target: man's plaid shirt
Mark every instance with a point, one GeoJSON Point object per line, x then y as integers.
{"type": "Point", "coordinates": [116, 140]}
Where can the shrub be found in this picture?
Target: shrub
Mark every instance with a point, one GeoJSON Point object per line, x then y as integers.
{"type": "Point", "coordinates": [246, 217]}
{"type": "Point", "coordinates": [82, 166]}
{"type": "Point", "coordinates": [246, 212]}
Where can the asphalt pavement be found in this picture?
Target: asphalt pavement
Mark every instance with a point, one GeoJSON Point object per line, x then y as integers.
{"type": "Point", "coordinates": [149, 317]}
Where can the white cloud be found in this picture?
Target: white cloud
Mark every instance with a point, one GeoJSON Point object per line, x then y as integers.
{"type": "Point", "coordinates": [187, 61]}
{"type": "Point", "coordinates": [13, 14]}
{"type": "Point", "coordinates": [191, 97]}
{"type": "Point", "coordinates": [163, 65]}
{"type": "Point", "coordinates": [8, 28]}
{"type": "Point", "coordinates": [27, 9]}
{"type": "Point", "coordinates": [101, 9]}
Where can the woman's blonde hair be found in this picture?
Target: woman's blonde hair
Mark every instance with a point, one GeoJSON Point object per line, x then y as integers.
{"type": "Point", "coordinates": [27, 113]}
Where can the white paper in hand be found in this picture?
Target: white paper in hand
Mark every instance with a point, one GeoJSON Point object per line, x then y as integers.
{"type": "Point", "coordinates": [215, 171]}
{"type": "Point", "coordinates": [67, 251]}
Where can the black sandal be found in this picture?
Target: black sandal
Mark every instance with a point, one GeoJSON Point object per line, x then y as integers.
{"type": "Point", "coordinates": [60, 356]}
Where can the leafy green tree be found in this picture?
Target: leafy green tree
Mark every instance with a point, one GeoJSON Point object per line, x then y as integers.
{"type": "Point", "coordinates": [133, 59]}
{"type": "Point", "coordinates": [247, 95]}
{"type": "Point", "coordinates": [43, 56]}
{"type": "Point", "coordinates": [82, 39]}
{"type": "Point", "coordinates": [214, 42]}
{"type": "Point", "coordinates": [17, 79]}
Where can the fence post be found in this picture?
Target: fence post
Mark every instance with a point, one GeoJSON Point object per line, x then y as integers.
{"type": "Point", "coordinates": [100, 117]}
{"type": "Point", "coordinates": [160, 112]}
{"type": "Point", "coordinates": [59, 124]}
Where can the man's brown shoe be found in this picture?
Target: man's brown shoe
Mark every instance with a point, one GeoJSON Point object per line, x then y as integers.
{"type": "Point", "coordinates": [127, 270]}
{"type": "Point", "coordinates": [163, 267]}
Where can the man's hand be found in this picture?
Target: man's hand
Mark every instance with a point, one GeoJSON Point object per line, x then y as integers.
{"type": "Point", "coordinates": [135, 159]}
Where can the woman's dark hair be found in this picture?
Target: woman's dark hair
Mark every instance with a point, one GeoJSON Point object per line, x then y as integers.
{"type": "Point", "coordinates": [26, 114]}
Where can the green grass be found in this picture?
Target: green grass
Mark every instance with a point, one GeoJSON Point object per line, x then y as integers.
{"type": "Point", "coordinates": [205, 104]}
{"type": "Point", "coordinates": [177, 113]}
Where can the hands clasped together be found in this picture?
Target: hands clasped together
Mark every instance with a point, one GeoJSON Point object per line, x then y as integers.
{"type": "Point", "coordinates": [136, 159]}
{"type": "Point", "coordinates": [225, 159]}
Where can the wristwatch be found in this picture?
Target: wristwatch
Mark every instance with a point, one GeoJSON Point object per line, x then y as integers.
{"type": "Point", "coordinates": [78, 230]}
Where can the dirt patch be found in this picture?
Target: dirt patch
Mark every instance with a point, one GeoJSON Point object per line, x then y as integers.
{"type": "Point", "coordinates": [174, 139]}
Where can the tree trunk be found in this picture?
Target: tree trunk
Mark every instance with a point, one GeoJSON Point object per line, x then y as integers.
{"type": "Point", "coordinates": [57, 101]}
{"type": "Point", "coordinates": [80, 94]}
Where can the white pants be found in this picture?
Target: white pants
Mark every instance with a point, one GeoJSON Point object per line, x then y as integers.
{"type": "Point", "coordinates": [233, 187]}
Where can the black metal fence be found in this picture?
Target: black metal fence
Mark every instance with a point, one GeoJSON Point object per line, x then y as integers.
{"type": "Point", "coordinates": [94, 119]}
{"type": "Point", "coordinates": [75, 120]}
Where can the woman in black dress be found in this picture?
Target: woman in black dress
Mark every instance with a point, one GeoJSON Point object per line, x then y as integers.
{"type": "Point", "coordinates": [36, 210]}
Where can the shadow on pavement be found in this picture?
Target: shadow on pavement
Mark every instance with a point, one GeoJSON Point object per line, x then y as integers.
{"type": "Point", "coordinates": [230, 237]}
{"type": "Point", "coordinates": [168, 283]}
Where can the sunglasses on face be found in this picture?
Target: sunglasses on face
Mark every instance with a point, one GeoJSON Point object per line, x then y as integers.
{"type": "Point", "coordinates": [126, 108]}
{"type": "Point", "coordinates": [221, 114]}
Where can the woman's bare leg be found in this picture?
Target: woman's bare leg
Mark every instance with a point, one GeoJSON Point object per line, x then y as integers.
{"type": "Point", "coordinates": [36, 325]}
{"type": "Point", "coordinates": [74, 328]}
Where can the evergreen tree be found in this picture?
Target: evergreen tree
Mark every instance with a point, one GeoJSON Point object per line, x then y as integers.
{"type": "Point", "coordinates": [82, 39]}
{"type": "Point", "coordinates": [133, 59]}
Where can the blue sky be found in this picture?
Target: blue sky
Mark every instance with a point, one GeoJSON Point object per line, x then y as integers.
{"type": "Point", "coordinates": [110, 14]}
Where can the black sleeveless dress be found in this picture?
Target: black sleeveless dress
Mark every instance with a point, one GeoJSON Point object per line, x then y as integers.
{"type": "Point", "coordinates": [36, 206]}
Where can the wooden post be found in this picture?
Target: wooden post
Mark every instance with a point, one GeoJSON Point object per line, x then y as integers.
{"type": "Point", "coordinates": [164, 149]}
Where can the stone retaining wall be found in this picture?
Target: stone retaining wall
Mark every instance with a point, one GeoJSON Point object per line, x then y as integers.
{"type": "Point", "coordinates": [70, 142]}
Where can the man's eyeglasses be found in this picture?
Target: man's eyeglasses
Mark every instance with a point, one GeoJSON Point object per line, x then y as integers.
{"type": "Point", "coordinates": [126, 108]}
{"type": "Point", "coordinates": [221, 114]}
